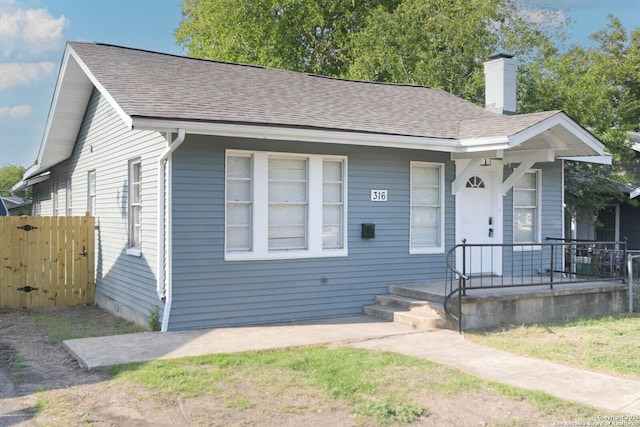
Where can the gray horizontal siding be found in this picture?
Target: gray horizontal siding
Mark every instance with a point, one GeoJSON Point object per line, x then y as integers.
{"type": "Point", "coordinates": [207, 291]}
{"type": "Point", "coordinates": [125, 283]}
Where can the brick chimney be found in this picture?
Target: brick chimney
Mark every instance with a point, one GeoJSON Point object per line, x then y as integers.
{"type": "Point", "coordinates": [500, 84]}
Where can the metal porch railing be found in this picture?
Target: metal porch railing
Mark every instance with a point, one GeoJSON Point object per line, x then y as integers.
{"type": "Point", "coordinates": [553, 263]}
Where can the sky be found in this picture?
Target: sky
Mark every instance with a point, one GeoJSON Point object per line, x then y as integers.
{"type": "Point", "coordinates": [33, 35]}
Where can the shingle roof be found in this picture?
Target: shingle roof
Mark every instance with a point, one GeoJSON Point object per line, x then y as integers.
{"type": "Point", "coordinates": [161, 86]}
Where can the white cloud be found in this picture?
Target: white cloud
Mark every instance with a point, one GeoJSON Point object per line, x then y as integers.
{"type": "Point", "coordinates": [20, 74]}
{"type": "Point", "coordinates": [546, 18]}
{"type": "Point", "coordinates": [17, 112]}
{"type": "Point", "coordinates": [27, 32]}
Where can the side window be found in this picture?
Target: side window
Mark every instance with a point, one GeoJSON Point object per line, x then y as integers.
{"type": "Point", "coordinates": [91, 192]}
{"type": "Point", "coordinates": [68, 197]}
{"type": "Point", "coordinates": [134, 203]}
{"type": "Point", "coordinates": [427, 208]}
{"type": "Point", "coordinates": [526, 202]}
{"type": "Point", "coordinates": [54, 198]}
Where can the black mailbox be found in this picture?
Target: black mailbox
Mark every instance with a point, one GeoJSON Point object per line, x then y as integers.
{"type": "Point", "coordinates": [368, 231]}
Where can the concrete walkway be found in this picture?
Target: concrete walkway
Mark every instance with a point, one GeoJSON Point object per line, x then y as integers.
{"type": "Point", "coordinates": [441, 346]}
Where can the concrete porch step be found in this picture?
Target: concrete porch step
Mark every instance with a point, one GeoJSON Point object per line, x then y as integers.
{"type": "Point", "coordinates": [411, 304]}
{"type": "Point", "coordinates": [416, 319]}
{"type": "Point", "coordinates": [417, 292]}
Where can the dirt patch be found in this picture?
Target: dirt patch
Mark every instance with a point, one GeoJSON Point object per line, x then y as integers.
{"type": "Point", "coordinates": [42, 384]}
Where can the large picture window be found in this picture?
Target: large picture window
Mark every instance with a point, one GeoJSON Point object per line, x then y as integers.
{"type": "Point", "coordinates": [526, 221]}
{"type": "Point", "coordinates": [284, 205]}
{"type": "Point", "coordinates": [427, 211]}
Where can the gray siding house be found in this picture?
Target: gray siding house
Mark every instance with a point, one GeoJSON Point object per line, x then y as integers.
{"type": "Point", "coordinates": [229, 194]}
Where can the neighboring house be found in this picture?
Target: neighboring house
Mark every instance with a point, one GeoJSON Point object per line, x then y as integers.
{"type": "Point", "coordinates": [16, 206]}
{"type": "Point", "coordinates": [4, 211]}
{"type": "Point", "coordinates": [229, 195]}
{"type": "Point", "coordinates": [617, 221]}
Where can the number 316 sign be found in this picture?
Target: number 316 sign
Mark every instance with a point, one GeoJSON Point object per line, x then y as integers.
{"type": "Point", "coordinates": [378, 195]}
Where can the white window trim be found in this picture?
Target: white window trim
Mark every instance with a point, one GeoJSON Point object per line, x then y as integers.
{"type": "Point", "coordinates": [433, 249]}
{"type": "Point", "coordinates": [133, 250]}
{"type": "Point", "coordinates": [260, 222]}
{"type": "Point", "coordinates": [91, 202]}
{"type": "Point", "coordinates": [54, 199]}
{"type": "Point", "coordinates": [68, 207]}
{"type": "Point", "coordinates": [529, 246]}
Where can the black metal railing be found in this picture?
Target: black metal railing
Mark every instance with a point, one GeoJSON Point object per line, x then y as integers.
{"type": "Point", "coordinates": [552, 263]}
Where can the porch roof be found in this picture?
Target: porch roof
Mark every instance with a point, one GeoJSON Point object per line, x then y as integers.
{"type": "Point", "coordinates": [154, 91]}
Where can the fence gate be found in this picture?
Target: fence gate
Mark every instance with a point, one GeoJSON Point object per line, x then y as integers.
{"type": "Point", "coordinates": [46, 261]}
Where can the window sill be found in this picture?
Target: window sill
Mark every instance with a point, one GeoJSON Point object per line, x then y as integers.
{"type": "Point", "coordinates": [284, 255]}
{"type": "Point", "coordinates": [134, 252]}
{"type": "Point", "coordinates": [426, 251]}
{"type": "Point", "coordinates": [528, 247]}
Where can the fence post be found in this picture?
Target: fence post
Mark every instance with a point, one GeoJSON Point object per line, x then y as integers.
{"type": "Point", "coordinates": [630, 275]}
{"type": "Point", "coordinates": [551, 266]}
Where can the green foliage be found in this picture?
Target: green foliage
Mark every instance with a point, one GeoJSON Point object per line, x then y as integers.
{"type": "Point", "coordinates": [440, 43]}
{"type": "Point", "coordinates": [600, 88]}
{"type": "Point", "coordinates": [154, 319]}
{"type": "Point", "coordinates": [9, 176]}
{"type": "Point", "coordinates": [299, 35]}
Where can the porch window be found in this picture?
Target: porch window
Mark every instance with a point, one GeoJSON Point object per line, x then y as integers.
{"type": "Point", "coordinates": [135, 205]}
{"type": "Point", "coordinates": [284, 205]}
{"type": "Point", "coordinates": [427, 211]}
{"type": "Point", "coordinates": [526, 221]}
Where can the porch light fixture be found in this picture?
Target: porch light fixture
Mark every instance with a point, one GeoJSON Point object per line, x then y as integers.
{"type": "Point", "coordinates": [486, 162]}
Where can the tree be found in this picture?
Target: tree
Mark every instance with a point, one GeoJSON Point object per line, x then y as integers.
{"type": "Point", "coordinates": [600, 88]}
{"type": "Point", "coordinates": [441, 43]}
{"type": "Point", "coordinates": [299, 35]}
{"type": "Point", "coordinates": [438, 43]}
{"type": "Point", "coordinates": [9, 176]}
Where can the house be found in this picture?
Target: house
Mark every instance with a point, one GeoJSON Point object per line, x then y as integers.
{"type": "Point", "coordinates": [228, 194]}
{"type": "Point", "coordinates": [617, 221]}
{"type": "Point", "coordinates": [4, 211]}
{"type": "Point", "coordinates": [16, 206]}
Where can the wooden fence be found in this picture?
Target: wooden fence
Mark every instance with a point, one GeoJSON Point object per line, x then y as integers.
{"type": "Point", "coordinates": [47, 261]}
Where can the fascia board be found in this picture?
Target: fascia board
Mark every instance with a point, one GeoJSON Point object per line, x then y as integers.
{"type": "Point", "coordinates": [301, 135]}
{"type": "Point", "coordinates": [560, 119]}
{"type": "Point", "coordinates": [112, 102]}
{"type": "Point", "coordinates": [605, 159]}
{"type": "Point", "coordinates": [54, 141]}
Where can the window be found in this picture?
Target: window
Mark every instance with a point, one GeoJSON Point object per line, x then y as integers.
{"type": "Point", "coordinates": [68, 197]}
{"type": "Point", "coordinates": [54, 198]}
{"type": "Point", "coordinates": [134, 199]}
{"type": "Point", "coordinates": [282, 205]}
{"type": "Point", "coordinates": [91, 193]}
{"type": "Point", "coordinates": [525, 209]}
{"type": "Point", "coordinates": [427, 212]}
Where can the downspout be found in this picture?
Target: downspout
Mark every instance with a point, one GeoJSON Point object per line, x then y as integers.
{"type": "Point", "coordinates": [165, 246]}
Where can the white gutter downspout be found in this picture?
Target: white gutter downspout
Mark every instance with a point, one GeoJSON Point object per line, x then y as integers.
{"type": "Point", "coordinates": [165, 244]}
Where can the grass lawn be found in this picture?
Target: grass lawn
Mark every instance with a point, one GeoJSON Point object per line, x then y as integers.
{"type": "Point", "coordinates": [606, 344]}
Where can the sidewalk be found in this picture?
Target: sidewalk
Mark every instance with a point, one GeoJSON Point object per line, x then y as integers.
{"type": "Point", "coordinates": [441, 346]}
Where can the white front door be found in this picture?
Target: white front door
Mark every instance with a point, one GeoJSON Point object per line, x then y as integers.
{"type": "Point", "coordinates": [479, 220]}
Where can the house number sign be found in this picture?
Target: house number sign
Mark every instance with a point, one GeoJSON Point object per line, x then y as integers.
{"type": "Point", "coordinates": [379, 195]}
